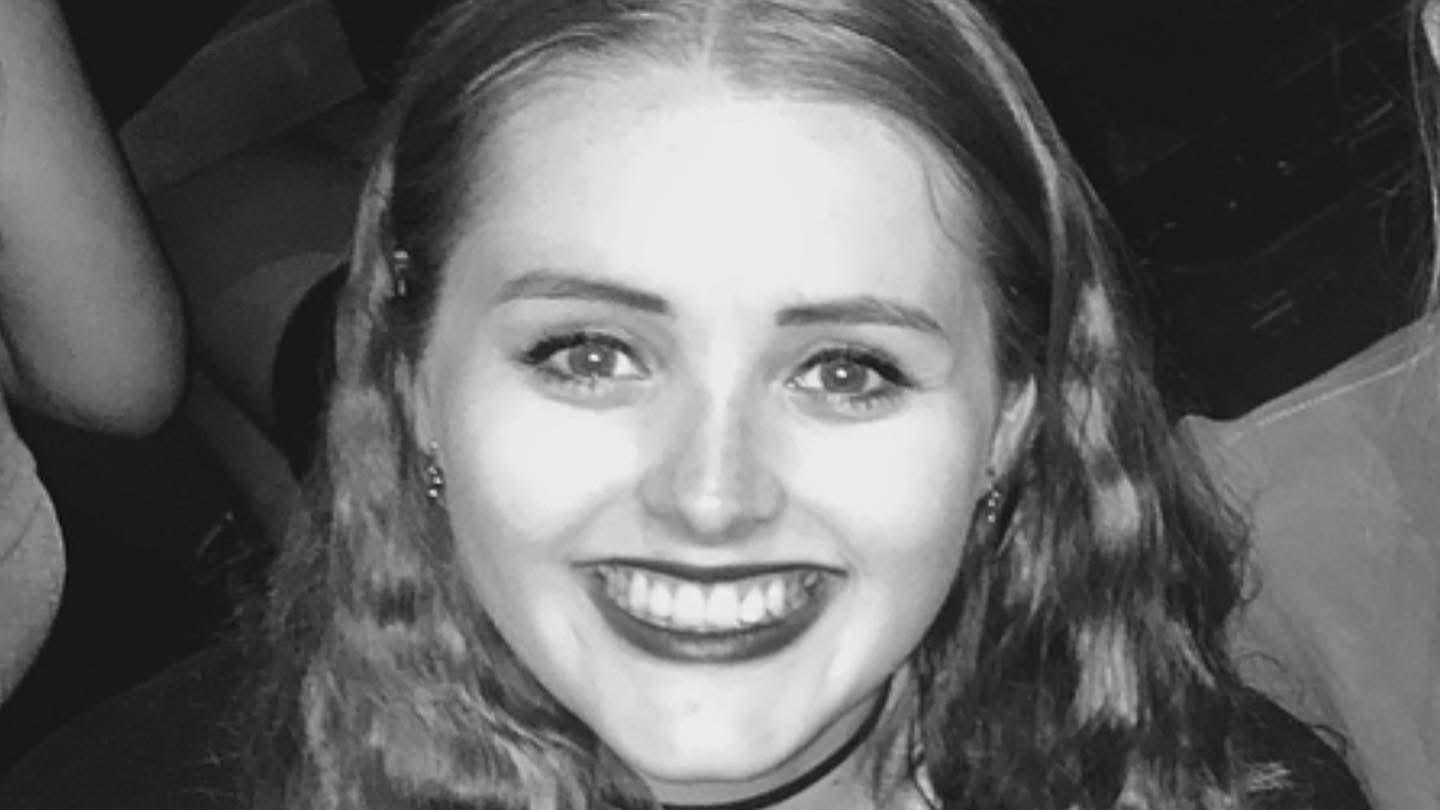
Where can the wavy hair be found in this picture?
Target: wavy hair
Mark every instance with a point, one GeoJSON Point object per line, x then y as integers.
{"type": "Point", "coordinates": [1079, 660]}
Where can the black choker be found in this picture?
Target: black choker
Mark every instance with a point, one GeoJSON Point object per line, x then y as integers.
{"type": "Point", "coordinates": [779, 794]}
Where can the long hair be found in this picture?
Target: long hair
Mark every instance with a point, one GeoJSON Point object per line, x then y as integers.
{"type": "Point", "coordinates": [1079, 660]}
{"type": "Point", "coordinates": [1426, 105]}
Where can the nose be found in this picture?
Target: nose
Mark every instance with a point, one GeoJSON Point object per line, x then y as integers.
{"type": "Point", "coordinates": [712, 480]}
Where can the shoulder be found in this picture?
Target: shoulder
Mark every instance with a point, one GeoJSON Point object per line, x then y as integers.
{"type": "Point", "coordinates": [1383, 397]}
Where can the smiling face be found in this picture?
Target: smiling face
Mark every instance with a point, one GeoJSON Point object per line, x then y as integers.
{"type": "Point", "coordinates": [715, 395]}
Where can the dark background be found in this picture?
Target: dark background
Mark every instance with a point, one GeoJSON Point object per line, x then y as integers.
{"type": "Point", "coordinates": [1258, 155]}
{"type": "Point", "coordinates": [1261, 160]}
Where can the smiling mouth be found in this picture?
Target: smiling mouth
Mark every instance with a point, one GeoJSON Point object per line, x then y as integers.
{"type": "Point", "coordinates": [708, 607]}
{"type": "Point", "coordinates": [716, 615]}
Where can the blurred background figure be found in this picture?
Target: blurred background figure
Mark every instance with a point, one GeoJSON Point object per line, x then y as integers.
{"type": "Point", "coordinates": [90, 321]}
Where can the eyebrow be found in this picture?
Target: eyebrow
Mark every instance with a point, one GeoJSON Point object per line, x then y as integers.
{"type": "Point", "coordinates": [553, 284]}
{"type": "Point", "coordinates": [864, 309]}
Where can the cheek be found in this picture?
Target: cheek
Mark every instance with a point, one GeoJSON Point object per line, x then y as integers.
{"type": "Point", "coordinates": [898, 496]}
{"type": "Point", "coordinates": [898, 486]}
{"type": "Point", "coordinates": [528, 468]}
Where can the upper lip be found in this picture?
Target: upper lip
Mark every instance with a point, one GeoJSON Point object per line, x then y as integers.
{"type": "Point", "coordinates": [713, 573]}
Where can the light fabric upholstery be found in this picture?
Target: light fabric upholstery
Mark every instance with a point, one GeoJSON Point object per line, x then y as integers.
{"type": "Point", "coordinates": [1341, 480]}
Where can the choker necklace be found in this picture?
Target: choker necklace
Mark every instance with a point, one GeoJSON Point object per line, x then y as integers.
{"type": "Point", "coordinates": [821, 769]}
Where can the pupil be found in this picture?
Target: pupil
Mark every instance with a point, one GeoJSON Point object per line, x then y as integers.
{"type": "Point", "coordinates": [842, 377]}
{"type": "Point", "coordinates": [592, 361]}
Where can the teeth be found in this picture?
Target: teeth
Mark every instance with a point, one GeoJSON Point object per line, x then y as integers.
{"type": "Point", "coordinates": [775, 596]}
{"type": "Point", "coordinates": [689, 605]}
{"type": "Point", "coordinates": [639, 587]}
{"type": "Point", "coordinates": [722, 609]}
{"type": "Point", "coordinates": [661, 604]}
{"type": "Point", "coordinates": [717, 607]}
{"type": "Point", "coordinates": [752, 609]}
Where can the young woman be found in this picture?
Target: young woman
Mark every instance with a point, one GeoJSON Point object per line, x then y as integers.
{"type": "Point", "coordinates": [737, 406]}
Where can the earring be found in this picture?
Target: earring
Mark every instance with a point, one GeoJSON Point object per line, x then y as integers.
{"type": "Point", "coordinates": [434, 475]}
{"type": "Point", "coordinates": [399, 273]}
{"type": "Point", "coordinates": [990, 506]}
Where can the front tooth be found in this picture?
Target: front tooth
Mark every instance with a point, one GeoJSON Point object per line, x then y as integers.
{"type": "Point", "coordinates": [662, 601]}
{"type": "Point", "coordinates": [639, 595]}
{"type": "Point", "coordinates": [775, 597]}
{"type": "Point", "coordinates": [752, 607]}
{"type": "Point", "coordinates": [722, 609]}
{"type": "Point", "coordinates": [689, 605]}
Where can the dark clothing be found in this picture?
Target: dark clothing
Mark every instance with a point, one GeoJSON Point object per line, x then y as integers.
{"type": "Point", "coordinates": [170, 743]}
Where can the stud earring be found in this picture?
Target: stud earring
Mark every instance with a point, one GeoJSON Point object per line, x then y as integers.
{"type": "Point", "coordinates": [434, 475]}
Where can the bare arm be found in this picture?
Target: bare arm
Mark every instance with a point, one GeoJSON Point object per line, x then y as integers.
{"type": "Point", "coordinates": [90, 322]}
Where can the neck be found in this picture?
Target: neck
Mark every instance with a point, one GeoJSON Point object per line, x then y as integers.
{"type": "Point", "coordinates": [820, 783]}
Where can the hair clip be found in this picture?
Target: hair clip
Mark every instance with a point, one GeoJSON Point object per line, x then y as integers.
{"type": "Point", "coordinates": [400, 273]}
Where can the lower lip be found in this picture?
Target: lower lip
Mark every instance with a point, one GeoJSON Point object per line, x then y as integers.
{"type": "Point", "coordinates": [710, 648]}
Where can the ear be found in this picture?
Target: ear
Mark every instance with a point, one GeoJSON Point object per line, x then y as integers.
{"type": "Point", "coordinates": [1012, 427]}
{"type": "Point", "coordinates": [1430, 22]}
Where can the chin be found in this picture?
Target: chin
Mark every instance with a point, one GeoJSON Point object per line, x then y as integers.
{"type": "Point", "coordinates": [706, 765]}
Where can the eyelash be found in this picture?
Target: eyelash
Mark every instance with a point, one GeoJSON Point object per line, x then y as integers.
{"type": "Point", "coordinates": [895, 382]}
{"type": "Point", "coordinates": [540, 356]}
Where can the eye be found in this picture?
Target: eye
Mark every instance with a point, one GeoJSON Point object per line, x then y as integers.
{"type": "Point", "coordinates": [587, 360]}
{"type": "Point", "coordinates": [852, 380]}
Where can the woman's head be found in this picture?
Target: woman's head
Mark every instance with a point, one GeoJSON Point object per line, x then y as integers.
{"type": "Point", "coordinates": [724, 338]}
{"type": "Point", "coordinates": [770, 350]}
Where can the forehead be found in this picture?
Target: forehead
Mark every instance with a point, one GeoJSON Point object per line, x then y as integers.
{"type": "Point", "coordinates": [675, 182]}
